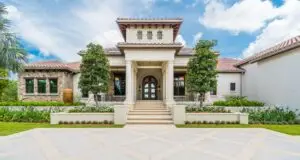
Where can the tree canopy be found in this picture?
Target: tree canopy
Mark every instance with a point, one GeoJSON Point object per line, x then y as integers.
{"type": "Point", "coordinates": [94, 70]}
{"type": "Point", "coordinates": [201, 72]}
{"type": "Point", "coordinates": [13, 56]}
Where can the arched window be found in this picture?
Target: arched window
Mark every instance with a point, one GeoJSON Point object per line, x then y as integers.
{"type": "Point", "coordinates": [159, 35]}
{"type": "Point", "coordinates": [149, 35]}
{"type": "Point", "coordinates": [139, 35]}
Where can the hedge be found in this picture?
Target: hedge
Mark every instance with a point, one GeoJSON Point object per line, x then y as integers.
{"type": "Point", "coordinates": [38, 103]}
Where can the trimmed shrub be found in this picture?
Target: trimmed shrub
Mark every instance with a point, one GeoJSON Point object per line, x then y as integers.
{"type": "Point", "coordinates": [237, 101]}
{"type": "Point", "coordinates": [195, 109]}
{"type": "Point", "coordinates": [102, 109]}
{"type": "Point", "coordinates": [38, 103]}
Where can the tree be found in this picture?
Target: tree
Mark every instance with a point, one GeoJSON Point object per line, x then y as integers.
{"type": "Point", "coordinates": [201, 72]}
{"type": "Point", "coordinates": [10, 93]}
{"type": "Point", "coordinates": [3, 81]}
{"type": "Point", "coordinates": [12, 55]}
{"type": "Point", "coordinates": [94, 70]}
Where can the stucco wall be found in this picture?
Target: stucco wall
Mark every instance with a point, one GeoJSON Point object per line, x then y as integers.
{"type": "Point", "coordinates": [277, 79]}
{"type": "Point", "coordinates": [149, 54]}
{"type": "Point", "coordinates": [131, 35]}
{"type": "Point", "coordinates": [223, 83]}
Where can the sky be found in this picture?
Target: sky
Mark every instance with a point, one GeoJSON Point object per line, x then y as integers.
{"type": "Point", "coordinates": [59, 29]}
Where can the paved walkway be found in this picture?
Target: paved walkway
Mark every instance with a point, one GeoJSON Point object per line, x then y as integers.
{"type": "Point", "coordinates": [149, 143]}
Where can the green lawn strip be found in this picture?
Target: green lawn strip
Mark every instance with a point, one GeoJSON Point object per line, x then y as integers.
{"type": "Point", "coordinates": [287, 129]}
{"type": "Point", "coordinates": [7, 128]}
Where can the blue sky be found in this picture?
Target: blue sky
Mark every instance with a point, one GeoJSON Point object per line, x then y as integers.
{"type": "Point", "coordinates": [58, 29]}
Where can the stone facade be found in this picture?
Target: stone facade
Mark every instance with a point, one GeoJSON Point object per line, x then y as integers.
{"type": "Point", "coordinates": [64, 80]}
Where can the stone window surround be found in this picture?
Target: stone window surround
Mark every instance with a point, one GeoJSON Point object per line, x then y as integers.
{"type": "Point", "coordinates": [35, 88]}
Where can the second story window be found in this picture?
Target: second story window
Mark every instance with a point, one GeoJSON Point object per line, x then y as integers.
{"type": "Point", "coordinates": [139, 35]}
{"type": "Point", "coordinates": [149, 35]}
{"type": "Point", "coordinates": [159, 35]}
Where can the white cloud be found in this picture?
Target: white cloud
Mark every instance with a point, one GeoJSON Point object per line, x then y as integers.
{"type": "Point", "coordinates": [180, 39]}
{"type": "Point", "coordinates": [197, 36]}
{"type": "Point", "coordinates": [177, 1]}
{"type": "Point", "coordinates": [243, 16]}
{"type": "Point", "coordinates": [66, 29]}
{"type": "Point", "coordinates": [31, 56]}
{"type": "Point", "coordinates": [278, 30]}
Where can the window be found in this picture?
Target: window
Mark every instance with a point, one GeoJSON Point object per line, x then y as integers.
{"type": "Point", "coordinates": [232, 86]}
{"type": "Point", "coordinates": [139, 35]}
{"type": "Point", "coordinates": [29, 85]}
{"type": "Point", "coordinates": [119, 84]}
{"type": "Point", "coordinates": [159, 35]}
{"type": "Point", "coordinates": [41, 85]}
{"type": "Point", "coordinates": [149, 35]}
{"type": "Point", "coordinates": [84, 94]}
{"type": "Point", "coordinates": [53, 85]}
{"type": "Point", "coordinates": [179, 88]}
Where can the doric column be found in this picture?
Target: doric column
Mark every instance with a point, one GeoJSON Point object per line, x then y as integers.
{"type": "Point", "coordinates": [128, 82]}
{"type": "Point", "coordinates": [164, 83]}
{"type": "Point", "coordinates": [170, 81]}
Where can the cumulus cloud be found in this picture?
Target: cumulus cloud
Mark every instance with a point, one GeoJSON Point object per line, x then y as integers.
{"type": "Point", "coordinates": [197, 36]}
{"type": "Point", "coordinates": [278, 30]}
{"type": "Point", "coordinates": [68, 28]}
{"type": "Point", "coordinates": [180, 39]}
{"type": "Point", "coordinates": [243, 16]}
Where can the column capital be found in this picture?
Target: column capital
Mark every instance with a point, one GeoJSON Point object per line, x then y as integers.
{"type": "Point", "coordinates": [128, 62]}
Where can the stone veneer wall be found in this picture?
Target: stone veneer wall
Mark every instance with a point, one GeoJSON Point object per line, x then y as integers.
{"type": "Point", "coordinates": [64, 80]}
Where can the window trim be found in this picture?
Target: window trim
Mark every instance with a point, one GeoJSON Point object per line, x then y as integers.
{"type": "Point", "coordinates": [159, 35]}
{"type": "Point", "coordinates": [178, 87]}
{"type": "Point", "coordinates": [139, 34]}
{"type": "Point", "coordinates": [26, 85]}
{"type": "Point", "coordinates": [50, 85]}
{"type": "Point", "coordinates": [149, 35]}
{"type": "Point", "coordinates": [232, 88]}
{"type": "Point", "coordinates": [114, 81]}
{"type": "Point", "coordinates": [39, 87]}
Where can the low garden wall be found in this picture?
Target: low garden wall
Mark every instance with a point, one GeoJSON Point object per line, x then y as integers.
{"type": "Point", "coordinates": [119, 116]}
{"type": "Point", "coordinates": [180, 116]}
{"type": "Point", "coordinates": [213, 117]}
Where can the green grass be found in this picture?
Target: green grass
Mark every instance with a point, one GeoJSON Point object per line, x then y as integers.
{"type": "Point", "coordinates": [287, 129]}
{"type": "Point", "coordinates": [7, 128]}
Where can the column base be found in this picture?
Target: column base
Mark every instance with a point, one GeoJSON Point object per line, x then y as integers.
{"type": "Point", "coordinates": [129, 104]}
{"type": "Point", "coordinates": [170, 103]}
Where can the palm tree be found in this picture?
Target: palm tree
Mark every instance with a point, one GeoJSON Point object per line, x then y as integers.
{"type": "Point", "coordinates": [12, 56]}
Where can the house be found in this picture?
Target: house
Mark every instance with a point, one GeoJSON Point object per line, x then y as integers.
{"type": "Point", "coordinates": [150, 65]}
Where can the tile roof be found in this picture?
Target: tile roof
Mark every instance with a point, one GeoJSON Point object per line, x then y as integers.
{"type": "Point", "coordinates": [148, 19]}
{"type": "Point", "coordinates": [277, 49]}
{"type": "Point", "coordinates": [176, 44]}
{"type": "Point", "coordinates": [227, 65]}
{"type": "Point", "coordinates": [224, 65]}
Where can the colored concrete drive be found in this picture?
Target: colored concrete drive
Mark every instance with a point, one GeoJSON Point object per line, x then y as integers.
{"type": "Point", "coordinates": [155, 142]}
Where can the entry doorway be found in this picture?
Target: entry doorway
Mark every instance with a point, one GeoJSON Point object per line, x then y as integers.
{"type": "Point", "coordinates": [149, 90]}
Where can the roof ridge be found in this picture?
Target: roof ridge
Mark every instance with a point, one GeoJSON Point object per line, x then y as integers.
{"type": "Point", "coordinates": [273, 50]}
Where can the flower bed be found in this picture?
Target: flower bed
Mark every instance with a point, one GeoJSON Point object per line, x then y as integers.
{"type": "Point", "coordinates": [116, 114]}
{"type": "Point", "coordinates": [102, 109]}
{"type": "Point", "coordinates": [181, 114]}
{"type": "Point", "coordinates": [237, 101]}
{"type": "Point", "coordinates": [273, 115]}
{"type": "Point", "coordinates": [26, 114]}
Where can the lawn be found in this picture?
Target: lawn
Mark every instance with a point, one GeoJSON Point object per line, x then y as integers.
{"type": "Point", "coordinates": [287, 129]}
{"type": "Point", "coordinates": [7, 128]}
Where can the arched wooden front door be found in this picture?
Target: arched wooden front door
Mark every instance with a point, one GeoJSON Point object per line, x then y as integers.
{"type": "Point", "coordinates": [149, 88]}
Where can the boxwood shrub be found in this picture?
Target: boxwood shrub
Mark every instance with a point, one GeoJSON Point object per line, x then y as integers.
{"type": "Point", "coordinates": [91, 109]}
{"type": "Point", "coordinates": [238, 102]}
{"type": "Point", "coordinates": [38, 103]}
{"type": "Point", "coordinates": [195, 109]}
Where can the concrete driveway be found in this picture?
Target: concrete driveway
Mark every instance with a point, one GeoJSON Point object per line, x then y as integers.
{"type": "Point", "coordinates": [149, 143]}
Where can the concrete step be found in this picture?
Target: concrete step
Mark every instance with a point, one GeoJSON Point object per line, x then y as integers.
{"type": "Point", "coordinates": [149, 108]}
{"type": "Point", "coordinates": [149, 113]}
{"type": "Point", "coordinates": [149, 122]}
{"type": "Point", "coordinates": [149, 117]}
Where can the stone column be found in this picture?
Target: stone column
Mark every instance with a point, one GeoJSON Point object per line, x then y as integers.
{"type": "Point", "coordinates": [170, 81]}
{"type": "Point", "coordinates": [164, 83]}
{"type": "Point", "coordinates": [128, 83]}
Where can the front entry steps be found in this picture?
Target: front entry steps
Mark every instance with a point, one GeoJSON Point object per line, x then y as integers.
{"type": "Point", "coordinates": [149, 112]}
